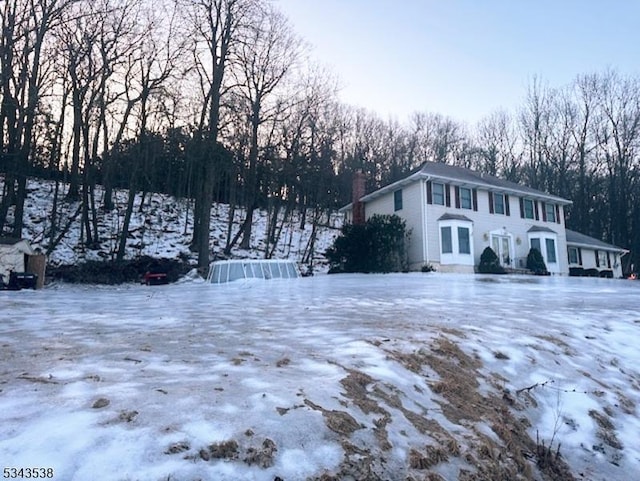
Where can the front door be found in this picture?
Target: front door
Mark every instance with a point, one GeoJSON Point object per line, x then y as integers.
{"type": "Point", "coordinates": [501, 245]}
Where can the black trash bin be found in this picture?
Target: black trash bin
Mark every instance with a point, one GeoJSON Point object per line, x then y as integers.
{"type": "Point", "coordinates": [22, 280]}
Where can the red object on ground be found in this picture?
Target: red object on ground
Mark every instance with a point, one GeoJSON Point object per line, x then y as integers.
{"type": "Point", "coordinates": [155, 278]}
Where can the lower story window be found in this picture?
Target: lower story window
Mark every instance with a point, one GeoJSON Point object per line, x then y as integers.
{"type": "Point", "coordinates": [464, 244]}
{"type": "Point", "coordinates": [447, 245]}
{"type": "Point", "coordinates": [456, 242]}
{"type": "Point", "coordinates": [551, 250]}
{"type": "Point", "coordinates": [535, 244]}
{"type": "Point", "coordinates": [574, 258]}
{"type": "Point", "coordinates": [602, 258]}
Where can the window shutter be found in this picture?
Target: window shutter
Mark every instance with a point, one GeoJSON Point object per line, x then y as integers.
{"type": "Point", "coordinates": [597, 258]}
{"type": "Point", "coordinates": [457, 192]}
{"type": "Point", "coordinates": [608, 260]}
{"type": "Point", "coordinates": [429, 200]}
{"type": "Point", "coordinates": [535, 206]}
{"type": "Point", "coordinates": [579, 256]}
{"type": "Point", "coordinates": [474, 194]}
{"type": "Point", "coordinates": [447, 194]}
{"type": "Point", "coordinates": [543, 206]}
{"type": "Point", "coordinates": [490, 202]}
{"type": "Point", "coordinates": [506, 205]}
{"type": "Point", "coordinates": [558, 214]}
{"type": "Point", "coordinates": [521, 207]}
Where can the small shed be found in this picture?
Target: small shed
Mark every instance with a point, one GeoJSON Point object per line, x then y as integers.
{"type": "Point", "coordinates": [18, 255]}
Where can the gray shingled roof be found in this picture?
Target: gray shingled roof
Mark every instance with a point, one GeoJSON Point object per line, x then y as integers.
{"type": "Point", "coordinates": [445, 171]}
{"type": "Point", "coordinates": [454, 217]}
{"type": "Point", "coordinates": [462, 176]}
{"type": "Point", "coordinates": [537, 228]}
{"type": "Point", "coordinates": [577, 238]}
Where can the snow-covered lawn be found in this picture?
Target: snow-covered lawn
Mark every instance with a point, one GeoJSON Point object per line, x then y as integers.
{"type": "Point", "coordinates": [352, 377]}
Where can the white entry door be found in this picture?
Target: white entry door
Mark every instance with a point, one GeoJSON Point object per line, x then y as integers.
{"type": "Point", "coordinates": [501, 245]}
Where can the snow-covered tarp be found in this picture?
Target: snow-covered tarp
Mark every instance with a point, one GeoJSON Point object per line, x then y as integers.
{"type": "Point", "coordinates": [396, 377]}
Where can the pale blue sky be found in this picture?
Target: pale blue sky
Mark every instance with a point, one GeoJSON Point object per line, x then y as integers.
{"type": "Point", "coordinates": [463, 58]}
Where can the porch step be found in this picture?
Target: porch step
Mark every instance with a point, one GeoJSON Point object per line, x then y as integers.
{"type": "Point", "coordinates": [514, 270]}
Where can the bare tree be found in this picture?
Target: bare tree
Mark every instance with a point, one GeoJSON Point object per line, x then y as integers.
{"type": "Point", "coordinates": [156, 57]}
{"type": "Point", "coordinates": [25, 29]}
{"type": "Point", "coordinates": [497, 146]}
{"type": "Point", "coordinates": [269, 52]}
{"type": "Point", "coordinates": [217, 28]}
{"type": "Point", "coordinates": [619, 101]}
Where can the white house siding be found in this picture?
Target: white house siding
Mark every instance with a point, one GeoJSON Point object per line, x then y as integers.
{"type": "Point", "coordinates": [518, 229]}
{"type": "Point", "coordinates": [411, 212]}
{"type": "Point", "coordinates": [510, 231]}
{"type": "Point", "coordinates": [484, 223]}
{"type": "Point", "coordinates": [588, 257]}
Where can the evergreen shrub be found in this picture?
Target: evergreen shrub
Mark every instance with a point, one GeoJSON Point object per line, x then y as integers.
{"type": "Point", "coordinates": [489, 262]}
{"type": "Point", "coordinates": [378, 245]}
{"type": "Point", "coordinates": [535, 262]}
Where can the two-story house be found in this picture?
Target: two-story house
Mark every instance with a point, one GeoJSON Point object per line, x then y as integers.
{"type": "Point", "coordinates": [454, 213]}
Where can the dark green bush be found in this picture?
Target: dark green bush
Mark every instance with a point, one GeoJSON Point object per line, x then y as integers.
{"type": "Point", "coordinates": [576, 271]}
{"type": "Point", "coordinates": [535, 262]}
{"type": "Point", "coordinates": [489, 262]}
{"type": "Point", "coordinates": [376, 246]}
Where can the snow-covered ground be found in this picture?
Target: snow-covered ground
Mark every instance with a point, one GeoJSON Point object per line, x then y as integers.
{"type": "Point", "coordinates": [403, 376]}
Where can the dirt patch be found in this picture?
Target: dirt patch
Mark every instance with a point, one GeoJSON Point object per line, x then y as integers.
{"type": "Point", "coordinates": [127, 416]}
{"type": "Point", "coordinates": [358, 465]}
{"type": "Point", "coordinates": [176, 448]}
{"type": "Point", "coordinates": [515, 456]}
{"type": "Point", "coordinates": [100, 403]}
{"type": "Point", "coordinates": [355, 386]}
{"type": "Point", "coordinates": [626, 404]}
{"type": "Point", "coordinates": [340, 422]}
{"type": "Point", "coordinates": [285, 361]}
{"type": "Point", "coordinates": [263, 455]}
{"type": "Point", "coordinates": [431, 456]}
{"type": "Point", "coordinates": [222, 450]}
{"type": "Point", "coordinates": [606, 430]}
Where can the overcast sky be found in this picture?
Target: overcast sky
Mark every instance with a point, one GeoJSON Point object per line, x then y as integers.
{"type": "Point", "coordinates": [463, 58]}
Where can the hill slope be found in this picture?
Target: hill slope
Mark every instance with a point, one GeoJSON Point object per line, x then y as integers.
{"type": "Point", "coordinates": [163, 228]}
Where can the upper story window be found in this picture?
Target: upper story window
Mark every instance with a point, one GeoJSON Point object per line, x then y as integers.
{"type": "Point", "coordinates": [498, 203]}
{"type": "Point", "coordinates": [465, 198]}
{"type": "Point", "coordinates": [397, 200]}
{"type": "Point", "coordinates": [528, 209]}
{"type": "Point", "coordinates": [550, 212]}
{"type": "Point", "coordinates": [438, 193]}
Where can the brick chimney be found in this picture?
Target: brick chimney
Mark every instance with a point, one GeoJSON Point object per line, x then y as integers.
{"type": "Point", "coordinates": [358, 190]}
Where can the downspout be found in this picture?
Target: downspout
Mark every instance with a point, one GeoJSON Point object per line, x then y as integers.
{"type": "Point", "coordinates": [425, 241]}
